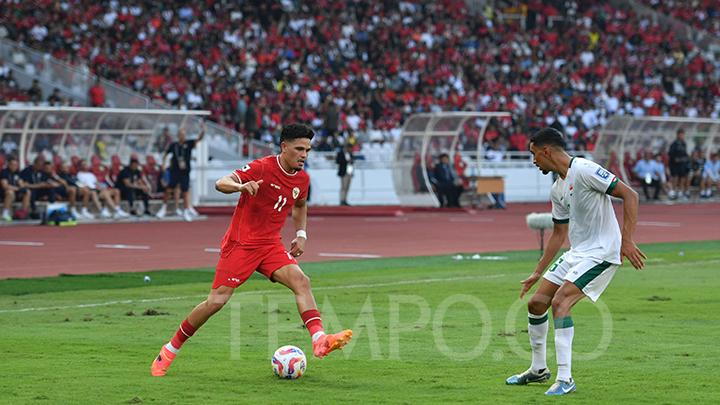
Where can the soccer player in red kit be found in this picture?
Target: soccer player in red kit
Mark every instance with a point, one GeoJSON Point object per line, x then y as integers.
{"type": "Point", "coordinates": [269, 187]}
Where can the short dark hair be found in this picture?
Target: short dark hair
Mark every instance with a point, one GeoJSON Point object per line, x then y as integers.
{"type": "Point", "coordinates": [548, 136]}
{"type": "Point", "coordinates": [295, 131]}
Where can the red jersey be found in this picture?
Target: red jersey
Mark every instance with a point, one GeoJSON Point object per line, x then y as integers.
{"type": "Point", "coordinates": [258, 219]}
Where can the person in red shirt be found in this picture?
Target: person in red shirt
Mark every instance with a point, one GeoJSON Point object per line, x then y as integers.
{"type": "Point", "coordinates": [269, 187]}
{"type": "Point", "coordinates": [97, 95]}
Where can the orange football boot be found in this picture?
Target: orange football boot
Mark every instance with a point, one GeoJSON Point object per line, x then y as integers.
{"type": "Point", "coordinates": [162, 362]}
{"type": "Point", "coordinates": [328, 343]}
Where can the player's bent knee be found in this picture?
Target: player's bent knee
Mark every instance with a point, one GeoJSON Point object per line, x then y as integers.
{"type": "Point", "coordinates": [563, 303]}
{"type": "Point", "coordinates": [292, 277]}
{"type": "Point", "coordinates": [216, 303]}
{"type": "Point", "coordinates": [214, 307]}
{"type": "Point", "coordinates": [537, 305]}
{"type": "Point", "coordinates": [300, 282]}
{"type": "Point", "coordinates": [218, 298]}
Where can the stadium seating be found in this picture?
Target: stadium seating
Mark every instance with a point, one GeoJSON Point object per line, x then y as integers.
{"type": "Point", "coordinates": [569, 63]}
{"type": "Point", "coordinates": [701, 14]}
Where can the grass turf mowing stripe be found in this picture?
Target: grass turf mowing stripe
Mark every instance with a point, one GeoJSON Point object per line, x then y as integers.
{"type": "Point", "coordinates": [321, 288]}
{"type": "Point", "coordinates": [337, 287]}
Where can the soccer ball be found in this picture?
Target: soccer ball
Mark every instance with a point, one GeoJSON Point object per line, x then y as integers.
{"type": "Point", "coordinates": [289, 362]}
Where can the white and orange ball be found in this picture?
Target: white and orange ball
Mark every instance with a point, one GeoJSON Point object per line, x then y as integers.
{"type": "Point", "coordinates": [289, 362]}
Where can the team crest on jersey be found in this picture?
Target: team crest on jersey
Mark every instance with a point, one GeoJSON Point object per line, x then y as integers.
{"type": "Point", "coordinates": [602, 173]}
{"type": "Point", "coordinates": [296, 193]}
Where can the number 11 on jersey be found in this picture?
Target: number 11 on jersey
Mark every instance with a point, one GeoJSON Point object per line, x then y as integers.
{"type": "Point", "coordinates": [280, 203]}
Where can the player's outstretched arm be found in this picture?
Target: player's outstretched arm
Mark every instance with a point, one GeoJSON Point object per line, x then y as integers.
{"type": "Point", "coordinates": [630, 213]}
{"type": "Point", "coordinates": [559, 234]}
{"type": "Point", "coordinates": [299, 216]}
{"type": "Point", "coordinates": [231, 184]}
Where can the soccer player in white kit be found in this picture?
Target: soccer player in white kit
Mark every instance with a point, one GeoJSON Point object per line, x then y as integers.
{"type": "Point", "coordinates": [582, 210]}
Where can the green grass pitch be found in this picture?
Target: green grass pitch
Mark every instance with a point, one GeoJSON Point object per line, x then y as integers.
{"type": "Point", "coordinates": [427, 330]}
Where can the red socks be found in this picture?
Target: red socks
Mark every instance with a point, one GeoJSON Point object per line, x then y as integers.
{"type": "Point", "coordinates": [183, 333]}
{"type": "Point", "coordinates": [312, 321]}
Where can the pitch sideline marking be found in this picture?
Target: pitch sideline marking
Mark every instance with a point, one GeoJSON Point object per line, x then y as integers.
{"type": "Point", "coordinates": [20, 243]}
{"type": "Point", "coordinates": [661, 224]}
{"type": "Point", "coordinates": [463, 220]}
{"type": "Point", "coordinates": [353, 255]}
{"type": "Point", "coordinates": [121, 246]}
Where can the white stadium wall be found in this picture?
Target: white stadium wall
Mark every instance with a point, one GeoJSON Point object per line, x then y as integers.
{"type": "Point", "coordinates": [374, 186]}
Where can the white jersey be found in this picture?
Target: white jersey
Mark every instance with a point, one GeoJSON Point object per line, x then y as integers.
{"type": "Point", "coordinates": [582, 200]}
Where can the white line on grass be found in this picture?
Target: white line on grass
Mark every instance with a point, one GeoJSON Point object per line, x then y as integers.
{"type": "Point", "coordinates": [120, 246]}
{"type": "Point", "coordinates": [339, 287]}
{"type": "Point", "coordinates": [353, 255]}
{"type": "Point", "coordinates": [212, 250]}
{"type": "Point", "coordinates": [19, 243]}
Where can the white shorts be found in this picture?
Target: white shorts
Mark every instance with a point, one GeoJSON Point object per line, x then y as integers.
{"type": "Point", "coordinates": [589, 275]}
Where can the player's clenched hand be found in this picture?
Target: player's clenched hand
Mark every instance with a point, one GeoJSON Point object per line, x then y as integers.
{"type": "Point", "coordinates": [297, 247]}
{"type": "Point", "coordinates": [633, 253]}
{"type": "Point", "coordinates": [528, 283]}
{"type": "Point", "coordinates": [251, 187]}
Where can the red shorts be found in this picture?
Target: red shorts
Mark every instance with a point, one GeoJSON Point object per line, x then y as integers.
{"type": "Point", "coordinates": [237, 263]}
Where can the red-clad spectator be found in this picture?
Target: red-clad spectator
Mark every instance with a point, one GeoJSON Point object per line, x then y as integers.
{"type": "Point", "coordinates": [97, 95]}
{"type": "Point", "coordinates": [588, 56]}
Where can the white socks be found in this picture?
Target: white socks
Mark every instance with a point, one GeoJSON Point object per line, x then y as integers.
{"type": "Point", "coordinates": [538, 329]}
{"type": "Point", "coordinates": [564, 332]}
{"type": "Point", "coordinates": [172, 348]}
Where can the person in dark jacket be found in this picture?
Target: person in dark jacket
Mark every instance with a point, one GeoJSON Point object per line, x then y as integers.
{"type": "Point", "coordinates": [345, 161]}
{"type": "Point", "coordinates": [447, 182]}
{"type": "Point", "coordinates": [679, 166]}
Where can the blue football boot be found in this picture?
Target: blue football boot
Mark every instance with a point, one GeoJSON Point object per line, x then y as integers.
{"type": "Point", "coordinates": [561, 387]}
{"type": "Point", "coordinates": [529, 376]}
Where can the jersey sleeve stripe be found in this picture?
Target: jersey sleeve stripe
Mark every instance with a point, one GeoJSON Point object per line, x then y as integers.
{"type": "Point", "coordinates": [612, 185]}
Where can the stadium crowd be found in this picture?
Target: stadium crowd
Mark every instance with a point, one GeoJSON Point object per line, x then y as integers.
{"type": "Point", "coordinates": [700, 14]}
{"type": "Point", "coordinates": [256, 64]}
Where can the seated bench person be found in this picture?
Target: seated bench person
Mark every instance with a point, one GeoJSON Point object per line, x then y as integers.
{"type": "Point", "coordinates": [37, 182]}
{"type": "Point", "coordinates": [12, 190]}
{"type": "Point", "coordinates": [100, 191]}
{"type": "Point", "coordinates": [133, 185]}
